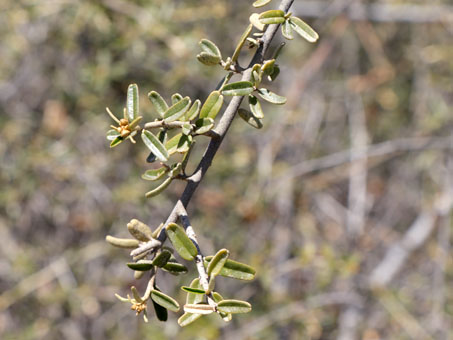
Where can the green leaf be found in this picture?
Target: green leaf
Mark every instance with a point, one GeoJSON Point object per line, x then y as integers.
{"type": "Point", "coordinates": [155, 174]}
{"type": "Point", "coordinates": [158, 102]}
{"type": "Point", "coordinates": [187, 129]}
{"type": "Point", "coordinates": [164, 300]}
{"type": "Point", "coordinates": [188, 318]}
{"type": "Point", "coordinates": [250, 118]}
{"type": "Point", "coordinates": [255, 107]}
{"type": "Point", "coordinates": [177, 110]}
{"type": "Point", "coordinates": [193, 290]}
{"type": "Point", "coordinates": [122, 242]}
{"type": "Point", "coordinates": [255, 21]}
{"type": "Point", "coordinates": [203, 125]}
{"type": "Point", "coordinates": [256, 74]}
{"type": "Point", "coordinates": [116, 141]}
{"type": "Point", "coordinates": [274, 16]}
{"type": "Point", "coordinates": [287, 31]}
{"type": "Point", "coordinates": [303, 29]}
{"type": "Point", "coordinates": [155, 145]}
{"type": "Point", "coordinates": [212, 105]}
{"type": "Point", "coordinates": [138, 274]}
{"type": "Point", "coordinates": [209, 47]}
{"type": "Point", "coordinates": [179, 143]}
{"type": "Point", "coordinates": [208, 59]}
{"type": "Point", "coordinates": [261, 3]}
{"type": "Point", "coordinates": [194, 110]}
{"type": "Point", "coordinates": [234, 306]}
{"type": "Point", "coordinates": [274, 74]}
{"type": "Point", "coordinates": [141, 266]}
{"type": "Point", "coordinates": [217, 262]}
{"type": "Point", "coordinates": [241, 43]}
{"type": "Point", "coordinates": [156, 191]}
{"type": "Point", "coordinates": [132, 102]}
{"type": "Point", "coordinates": [162, 258]}
{"type": "Point", "coordinates": [135, 122]}
{"type": "Point", "coordinates": [175, 268]}
{"type": "Point", "coordinates": [199, 308]}
{"type": "Point", "coordinates": [194, 298]}
{"type": "Point", "coordinates": [112, 134]}
{"type": "Point", "coordinates": [139, 230]}
{"type": "Point", "coordinates": [161, 312]}
{"type": "Point", "coordinates": [234, 269]}
{"type": "Point", "coordinates": [271, 97]}
{"type": "Point", "coordinates": [239, 88]}
{"type": "Point", "coordinates": [181, 242]}
{"type": "Point", "coordinates": [268, 66]}
{"type": "Point", "coordinates": [175, 98]}
{"type": "Point", "coordinates": [217, 298]}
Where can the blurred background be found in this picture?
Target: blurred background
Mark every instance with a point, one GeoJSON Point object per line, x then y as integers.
{"type": "Point", "coordinates": [343, 201]}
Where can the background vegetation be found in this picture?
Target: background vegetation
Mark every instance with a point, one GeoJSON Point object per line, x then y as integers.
{"type": "Point", "coordinates": [343, 201]}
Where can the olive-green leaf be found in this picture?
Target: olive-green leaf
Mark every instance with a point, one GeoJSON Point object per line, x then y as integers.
{"type": "Point", "coordinates": [155, 174]}
{"type": "Point", "coordinates": [122, 242]}
{"type": "Point", "coordinates": [234, 269]}
{"type": "Point", "coordinates": [199, 308]}
{"type": "Point", "coordinates": [208, 59]}
{"type": "Point", "coordinates": [177, 110]}
{"type": "Point", "coordinates": [271, 97]}
{"type": "Point", "coordinates": [112, 134]}
{"type": "Point", "coordinates": [209, 47]}
{"type": "Point", "coordinates": [162, 258]}
{"type": "Point", "coordinates": [287, 31]}
{"type": "Point", "coordinates": [217, 298]}
{"type": "Point", "coordinates": [274, 16]}
{"type": "Point", "coordinates": [187, 129]}
{"type": "Point", "coordinates": [203, 125]}
{"type": "Point", "coordinates": [261, 3]}
{"type": "Point", "coordinates": [175, 268]}
{"type": "Point", "coordinates": [164, 300]}
{"type": "Point", "coordinates": [193, 290]}
{"type": "Point", "coordinates": [194, 110]}
{"type": "Point", "coordinates": [255, 21]}
{"type": "Point", "coordinates": [303, 29]}
{"type": "Point", "coordinates": [217, 262]}
{"type": "Point", "coordinates": [239, 88]}
{"type": "Point", "coordinates": [132, 102]}
{"type": "Point", "coordinates": [158, 102]}
{"type": "Point", "coordinates": [234, 306]}
{"type": "Point", "coordinates": [178, 143]}
{"type": "Point", "coordinates": [193, 298]}
{"type": "Point", "coordinates": [139, 230]}
{"type": "Point", "coordinates": [161, 312]}
{"type": "Point", "coordinates": [268, 66]}
{"type": "Point", "coordinates": [135, 122]}
{"type": "Point", "coordinates": [156, 191]}
{"type": "Point", "coordinates": [181, 242]}
{"type": "Point", "coordinates": [155, 145]}
{"type": "Point", "coordinates": [188, 318]}
{"type": "Point", "coordinates": [255, 107]}
{"type": "Point", "coordinates": [250, 118]}
{"type": "Point", "coordinates": [176, 97]}
{"type": "Point", "coordinates": [116, 141]}
{"type": "Point", "coordinates": [141, 266]}
{"type": "Point", "coordinates": [212, 105]}
{"type": "Point", "coordinates": [241, 43]}
{"type": "Point", "coordinates": [274, 74]}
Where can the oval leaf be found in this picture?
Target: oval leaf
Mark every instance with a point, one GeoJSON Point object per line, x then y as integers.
{"type": "Point", "coordinates": [141, 266]}
{"type": "Point", "coordinates": [179, 143]}
{"type": "Point", "coordinates": [217, 262]}
{"type": "Point", "coordinates": [194, 110]}
{"type": "Point", "coordinates": [175, 268]}
{"type": "Point", "coordinates": [139, 230]}
{"type": "Point", "coordinates": [212, 105]}
{"type": "Point", "coordinates": [162, 258]}
{"type": "Point", "coordinates": [271, 97]}
{"type": "Point", "coordinates": [250, 118]}
{"type": "Point", "coordinates": [208, 59]}
{"type": "Point", "coordinates": [164, 300]}
{"type": "Point", "coordinates": [161, 312]}
{"type": "Point", "coordinates": [188, 318]}
{"type": "Point", "coordinates": [200, 308]}
{"type": "Point", "coordinates": [239, 88]}
{"type": "Point", "coordinates": [217, 298]}
{"type": "Point", "coordinates": [274, 16]}
{"type": "Point", "coordinates": [209, 47]}
{"type": "Point", "coordinates": [155, 174]}
{"type": "Point", "coordinates": [177, 110]}
{"type": "Point", "coordinates": [255, 107]}
{"type": "Point", "coordinates": [155, 145]}
{"type": "Point", "coordinates": [132, 102]}
{"type": "Point", "coordinates": [234, 269]}
{"type": "Point", "coordinates": [122, 242]}
{"type": "Point", "coordinates": [287, 31]}
{"type": "Point", "coordinates": [175, 98]}
{"type": "Point", "coordinates": [159, 189]}
{"type": "Point", "coordinates": [234, 306]}
{"type": "Point", "coordinates": [261, 3]}
{"type": "Point", "coordinates": [303, 29]}
{"type": "Point", "coordinates": [181, 242]}
{"type": "Point", "coordinates": [203, 125]}
{"type": "Point", "coordinates": [158, 102]}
